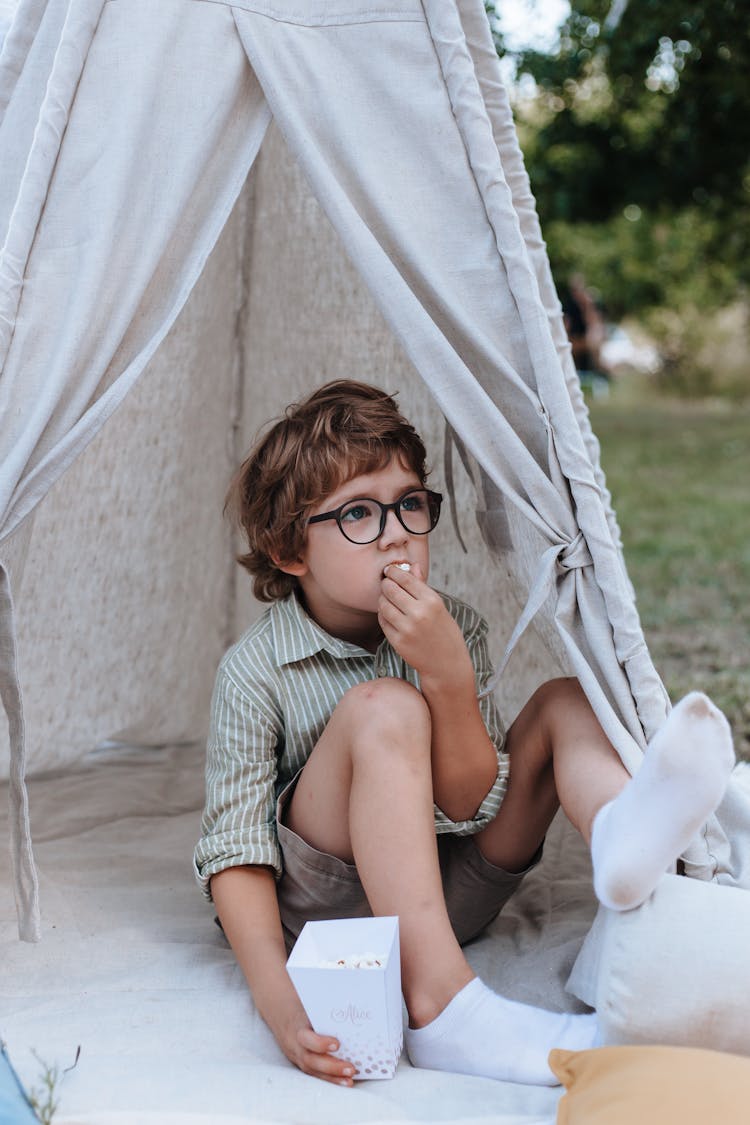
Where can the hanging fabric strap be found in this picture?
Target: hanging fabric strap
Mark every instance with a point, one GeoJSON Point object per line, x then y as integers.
{"type": "Point", "coordinates": [77, 32]}
{"type": "Point", "coordinates": [555, 562]}
{"type": "Point", "coordinates": [22, 858]}
{"type": "Point", "coordinates": [450, 440]}
{"type": "Point", "coordinates": [18, 40]}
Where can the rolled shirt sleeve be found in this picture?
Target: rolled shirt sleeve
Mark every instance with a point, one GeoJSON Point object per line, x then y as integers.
{"type": "Point", "coordinates": [239, 825]}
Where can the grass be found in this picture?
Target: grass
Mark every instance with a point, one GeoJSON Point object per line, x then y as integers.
{"type": "Point", "coordinates": [44, 1098]}
{"type": "Point", "coordinates": [679, 474]}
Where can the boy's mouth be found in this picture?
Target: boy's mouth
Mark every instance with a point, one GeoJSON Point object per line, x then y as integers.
{"type": "Point", "coordinates": [402, 565]}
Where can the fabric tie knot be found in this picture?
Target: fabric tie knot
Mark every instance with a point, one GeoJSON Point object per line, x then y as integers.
{"type": "Point", "coordinates": [557, 561]}
{"type": "Point", "coordinates": [574, 554]}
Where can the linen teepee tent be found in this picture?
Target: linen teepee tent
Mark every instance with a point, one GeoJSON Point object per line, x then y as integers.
{"type": "Point", "coordinates": [127, 133]}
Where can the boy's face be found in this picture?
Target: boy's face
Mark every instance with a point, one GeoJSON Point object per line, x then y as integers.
{"type": "Point", "coordinates": [341, 581]}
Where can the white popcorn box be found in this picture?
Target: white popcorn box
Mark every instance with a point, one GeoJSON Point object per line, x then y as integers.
{"type": "Point", "coordinates": [361, 1007]}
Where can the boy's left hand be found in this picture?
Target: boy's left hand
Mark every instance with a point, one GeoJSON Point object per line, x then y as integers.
{"type": "Point", "coordinates": [417, 624]}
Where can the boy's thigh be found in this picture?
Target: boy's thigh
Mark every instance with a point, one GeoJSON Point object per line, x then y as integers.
{"type": "Point", "coordinates": [475, 890]}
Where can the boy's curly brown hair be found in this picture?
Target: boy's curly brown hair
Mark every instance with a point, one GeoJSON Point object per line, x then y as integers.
{"type": "Point", "coordinates": [340, 431]}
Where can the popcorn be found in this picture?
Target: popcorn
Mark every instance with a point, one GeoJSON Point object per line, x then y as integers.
{"type": "Point", "coordinates": [399, 566]}
{"type": "Point", "coordinates": [356, 961]}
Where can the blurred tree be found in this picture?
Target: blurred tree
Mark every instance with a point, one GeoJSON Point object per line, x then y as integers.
{"type": "Point", "coordinates": [640, 129]}
{"type": "Point", "coordinates": [655, 103]}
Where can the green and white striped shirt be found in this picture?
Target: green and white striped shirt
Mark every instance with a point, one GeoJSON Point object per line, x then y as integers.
{"type": "Point", "coordinates": [275, 691]}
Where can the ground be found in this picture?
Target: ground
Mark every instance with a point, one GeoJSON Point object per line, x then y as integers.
{"type": "Point", "coordinates": [679, 472]}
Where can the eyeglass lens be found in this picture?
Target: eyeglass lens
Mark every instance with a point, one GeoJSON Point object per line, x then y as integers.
{"type": "Point", "coordinates": [360, 520]}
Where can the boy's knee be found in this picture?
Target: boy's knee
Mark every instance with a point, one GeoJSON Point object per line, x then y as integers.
{"type": "Point", "coordinates": [559, 692]}
{"type": "Point", "coordinates": [389, 710]}
{"type": "Point", "coordinates": [551, 703]}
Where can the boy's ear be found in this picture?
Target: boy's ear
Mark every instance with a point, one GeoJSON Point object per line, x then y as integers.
{"type": "Point", "coordinates": [297, 567]}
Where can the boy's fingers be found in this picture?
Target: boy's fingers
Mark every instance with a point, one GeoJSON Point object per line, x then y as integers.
{"type": "Point", "coordinates": [311, 1041]}
{"type": "Point", "coordinates": [395, 595]}
{"type": "Point", "coordinates": [389, 614]}
{"type": "Point", "coordinates": [325, 1066]}
{"type": "Point", "coordinates": [401, 584]}
{"type": "Point", "coordinates": [318, 1061]}
{"type": "Point", "coordinates": [403, 578]}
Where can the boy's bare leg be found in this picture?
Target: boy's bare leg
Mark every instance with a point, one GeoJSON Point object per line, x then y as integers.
{"type": "Point", "coordinates": [365, 796]}
{"type": "Point", "coordinates": [636, 826]}
{"type": "Point", "coordinates": [559, 754]}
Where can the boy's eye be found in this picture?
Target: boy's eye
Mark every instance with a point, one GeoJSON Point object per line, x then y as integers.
{"type": "Point", "coordinates": [356, 512]}
{"type": "Point", "coordinates": [414, 502]}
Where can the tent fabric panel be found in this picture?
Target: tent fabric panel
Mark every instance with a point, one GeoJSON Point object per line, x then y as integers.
{"type": "Point", "coordinates": [22, 25]}
{"type": "Point", "coordinates": [330, 13]}
{"type": "Point", "coordinates": [76, 34]}
{"type": "Point", "coordinates": [124, 606]}
{"type": "Point", "coordinates": [135, 253]}
{"type": "Point", "coordinates": [26, 61]}
{"type": "Point", "coordinates": [81, 213]}
{"type": "Point", "coordinates": [25, 879]}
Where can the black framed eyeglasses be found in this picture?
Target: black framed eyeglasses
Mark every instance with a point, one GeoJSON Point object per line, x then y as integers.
{"type": "Point", "coordinates": [363, 520]}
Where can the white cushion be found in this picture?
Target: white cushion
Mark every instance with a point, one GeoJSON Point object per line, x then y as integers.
{"type": "Point", "coordinates": [675, 970]}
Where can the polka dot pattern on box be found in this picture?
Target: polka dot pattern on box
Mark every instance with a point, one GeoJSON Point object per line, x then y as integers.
{"type": "Point", "coordinates": [372, 1058]}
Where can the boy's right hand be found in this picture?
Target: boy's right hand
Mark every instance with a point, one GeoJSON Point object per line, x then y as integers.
{"type": "Point", "coordinates": [248, 907]}
{"type": "Point", "coordinates": [417, 624]}
{"type": "Point", "coordinates": [312, 1054]}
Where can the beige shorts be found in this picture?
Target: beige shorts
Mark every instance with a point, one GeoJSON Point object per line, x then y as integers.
{"type": "Point", "coordinates": [315, 886]}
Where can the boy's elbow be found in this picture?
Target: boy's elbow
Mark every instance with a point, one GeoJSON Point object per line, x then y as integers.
{"type": "Point", "coordinates": [463, 797]}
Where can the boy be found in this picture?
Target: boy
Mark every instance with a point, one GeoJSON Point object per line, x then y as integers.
{"type": "Point", "coordinates": [351, 768]}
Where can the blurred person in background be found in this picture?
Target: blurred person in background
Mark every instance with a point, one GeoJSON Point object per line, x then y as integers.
{"type": "Point", "coordinates": [586, 331]}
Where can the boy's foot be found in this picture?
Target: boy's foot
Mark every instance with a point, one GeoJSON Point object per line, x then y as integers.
{"type": "Point", "coordinates": [482, 1033]}
{"type": "Point", "coordinates": [685, 770]}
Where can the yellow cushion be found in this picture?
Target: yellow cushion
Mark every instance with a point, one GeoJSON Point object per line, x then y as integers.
{"type": "Point", "coordinates": [652, 1086]}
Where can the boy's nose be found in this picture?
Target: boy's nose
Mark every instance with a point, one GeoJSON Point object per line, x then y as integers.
{"type": "Point", "coordinates": [393, 532]}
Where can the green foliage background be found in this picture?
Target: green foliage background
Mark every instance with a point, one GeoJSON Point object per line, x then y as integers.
{"type": "Point", "coordinates": [637, 143]}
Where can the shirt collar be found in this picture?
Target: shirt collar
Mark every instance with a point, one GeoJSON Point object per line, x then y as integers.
{"type": "Point", "coordinates": [296, 636]}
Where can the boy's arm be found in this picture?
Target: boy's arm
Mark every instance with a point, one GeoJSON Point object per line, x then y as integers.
{"type": "Point", "coordinates": [239, 839]}
{"type": "Point", "coordinates": [246, 902]}
{"type": "Point", "coordinates": [464, 759]}
{"type": "Point", "coordinates": [418, 625]}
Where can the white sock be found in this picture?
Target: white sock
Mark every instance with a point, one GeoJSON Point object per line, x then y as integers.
{"type": "Point", "coordinates": [482, 1033]}
{"type": "Point", "coordinates": [638, 835]}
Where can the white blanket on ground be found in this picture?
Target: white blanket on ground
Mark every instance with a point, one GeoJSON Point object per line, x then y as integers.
{"type": "Point", "coordinates": [132, 968]}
